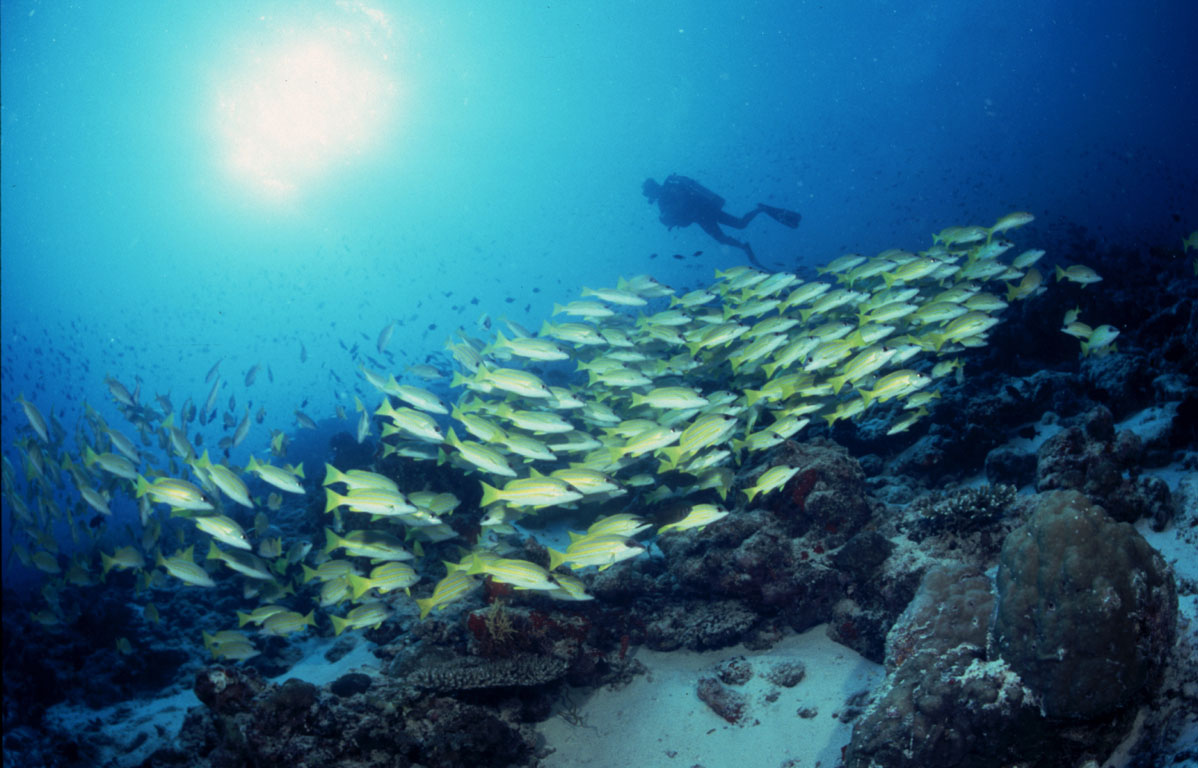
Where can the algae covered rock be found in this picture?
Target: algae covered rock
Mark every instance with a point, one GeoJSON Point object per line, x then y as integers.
{"type": "Point", "coordinates": [1086, 610]}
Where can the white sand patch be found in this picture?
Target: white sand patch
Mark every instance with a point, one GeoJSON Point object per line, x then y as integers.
{"type": "Point", "coordinates": [1152, 423]}
{"type": "Point", "coordinates": [1178, 543]}
{"type": "Point", "coordinates": [129, 732]}
{"type": "Point", "coordinates": [316, 669]}
{"type": "Point", "coordinates": [658, 719]}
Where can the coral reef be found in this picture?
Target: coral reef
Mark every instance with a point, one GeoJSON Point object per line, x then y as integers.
{"type": "Point", "coordinates": [962, 511]}
{"type": "Point", "coordinates": [1095, 459]}
{"type": "Point", "coordinates": [1086, 610]}
{"type": "Point", "coordinates": [722, 700]}
{"type": "Point", "coordinates": [471, 673]}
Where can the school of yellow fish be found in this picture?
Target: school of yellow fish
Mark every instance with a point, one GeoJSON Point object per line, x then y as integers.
{"type": "Point", "coordinates": [659, 399]}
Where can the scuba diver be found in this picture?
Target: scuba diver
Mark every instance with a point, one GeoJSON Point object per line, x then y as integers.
{"type": "Point", "coordinates": [684, 201]}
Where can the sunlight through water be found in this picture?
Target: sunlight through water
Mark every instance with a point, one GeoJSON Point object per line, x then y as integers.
{"type": "Point", "coordinates": [296, 104]}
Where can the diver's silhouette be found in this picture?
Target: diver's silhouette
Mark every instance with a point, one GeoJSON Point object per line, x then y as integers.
{"type": "Point", "coordinates": [684, 201]}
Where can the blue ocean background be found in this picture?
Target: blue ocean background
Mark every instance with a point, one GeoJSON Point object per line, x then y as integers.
{"type": "Point", "coordinates": [488, 157]}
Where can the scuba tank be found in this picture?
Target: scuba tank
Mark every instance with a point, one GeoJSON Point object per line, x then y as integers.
{"type": "Point", "coordinates": [701, 196]}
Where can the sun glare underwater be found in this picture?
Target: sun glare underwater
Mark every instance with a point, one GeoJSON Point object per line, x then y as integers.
{"type": "Point", "coordinates": [510, 384]}
{"type": "Point", "coordinates": [296, 104]}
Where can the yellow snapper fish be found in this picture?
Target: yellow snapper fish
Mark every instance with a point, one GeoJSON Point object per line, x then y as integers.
{"type": "Point", "coordinates": [1077, 328]}
{"type": "Point", "coordinates": [245, 563]}
{"type": "Point", "coordinates": [284, 478]}
{"type": "Point", "coordinates": [1027, 258]}
{"type": "Point", "coordinates": [536, 422]}
{"type": "Point", "coordinates": [179, 494]}
{"type": "Point", "coordinates": [225, 479]}
{"type": "Point", "coordinates": [123, 559]}
{"type": "Point", "coordinates": [621, 524]}
{"type": "Point", "coordinates": [619, 296]}
{"type": "Point", "coordinates": [259, 614]}
{"type": "Point", "coordinates": [480, 456]}
{"type": "Point", "coordinates": [602, 550]}
{"type": "Point", "coordinates": [516, 381]}
{"type": "Point", "coordinates": [382, 502]}
{"type": "Point", "coordinates": [356, 479]}
{"type": "Point", "coordinates": [224, 529]}
{"type": "Point", "coordinates": [411, 421]}
{"type": "Point", "coordinates": [35, 419]}
{"type": "Point", "coordinates": [328, 570]}
{"type": "Point", "coordinates": [530, 492]}
{"type": "Point", "coordinates": [1078, 273]}
{"type": "Point", "coordinates": [770, 480]}
{"type": "Point", "coordinates": [435, 503]}
{"type": "Point", "coordinates": [699, 516]}
{"type": "Point", "coordinates": [453, 587]}
{"type": "Point", "coordinates": [377, 545]}
{"type": "Point", "coordinates": [95, 499]}
{"type": "Point", "coordinates": [1011, 221]}
{"type": "Point", "coordinates": [286, 623]}
{"type": "Point", "coordinates": [895, 384]}
{"type": "Point", "coordinates": [530, 348]}
{"type": "Point", "coordinates": [646, 441]}
{"type": "Point", "coordinates": [592, 309]}
{"type": "Point", "coordinates": [113, 463]}
{"type": "Point", "coordinates": [1028, 286]}
{"type": "Point", "coordinates": [370, 615]}
{"type": "Point", "coordinates": [385, 578]}
{"type": "Point", "coordinates": [569, 588]}
{"type": "Point", "coordinates": [183, 567]}
{"type": "Point", "coordinates": [520, 574]}
{"type": "Point", "coordinates": [420, 399]}
{"type": "Point", "coordinates": [231, 645]}
{"type": "Point", "coordinates": [1101, 340]}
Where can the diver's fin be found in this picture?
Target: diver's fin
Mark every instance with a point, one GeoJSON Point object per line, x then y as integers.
{"type": "Point", "coordinates": [781, 215]}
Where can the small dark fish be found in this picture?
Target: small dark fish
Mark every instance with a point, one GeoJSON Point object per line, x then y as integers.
{"type": "Point", "coordinates": [270, 374]}
{"type": "Point", "coordinates": [260, 416]}
{"type": "Point", "coordinates": [252, 374]}
{"type": "Point", "coordinates": [303, 353]}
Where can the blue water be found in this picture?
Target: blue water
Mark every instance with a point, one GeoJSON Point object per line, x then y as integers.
{"type": "Point", "coordinates": [181, 185]}
{"type": "Point", "coordinates": [509, 158]}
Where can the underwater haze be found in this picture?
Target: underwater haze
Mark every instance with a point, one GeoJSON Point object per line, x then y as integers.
{"type": "Point", "coordinates": [182, 184]}
{"type": "Point", "coordinates": [252, 207]}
